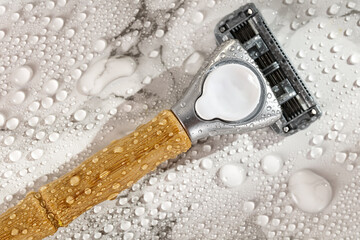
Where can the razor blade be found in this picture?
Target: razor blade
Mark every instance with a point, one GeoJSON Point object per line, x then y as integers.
{"type": "Point", "coordinates": [299, 109]}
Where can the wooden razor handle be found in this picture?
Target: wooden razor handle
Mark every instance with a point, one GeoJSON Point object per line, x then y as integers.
{"type": "Point", "coordinates": [99, 178]}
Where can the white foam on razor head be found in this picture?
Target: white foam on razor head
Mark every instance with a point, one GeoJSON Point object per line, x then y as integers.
{"type": "Point", "coordinates": [231, 92]}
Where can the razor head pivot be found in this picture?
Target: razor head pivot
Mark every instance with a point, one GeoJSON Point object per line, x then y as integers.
{"type": "Point", "coordinates": [246, 24]}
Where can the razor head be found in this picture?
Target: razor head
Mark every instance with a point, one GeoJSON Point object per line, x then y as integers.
{"type": "Point", "coordinates": [247, 25]}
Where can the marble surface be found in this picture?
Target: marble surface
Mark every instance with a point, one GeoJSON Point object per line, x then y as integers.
{"type": "Point", "coordinates": [76, 74]}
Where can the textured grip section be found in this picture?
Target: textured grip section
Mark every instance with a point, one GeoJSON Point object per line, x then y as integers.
{"type": "Point", "coordinates": [99, 178]}
{"type": "Point", "coordinates": [28, 220]}
{"type": "Point", "coordinates": [116, 167]}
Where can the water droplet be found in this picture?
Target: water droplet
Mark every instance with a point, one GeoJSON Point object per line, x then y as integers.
{"type": "Point", "coordinates": [15, 155]}
{"type": "Point", "coordinates": [100, 45]}
{"type": "Point", "coordinates": [353, 59]}
{"type": "Point", "coordinates": [12, 123]}
{"type": "Point", "coordinates": [139, 211]}
{"type": "Point", "coordinates": [232, 175]}
{"type": "Point", "coordinates": [14, 232]}
{"type": "Point", "coordinates": [333, 9]}
{"type": "Point", "coordinates": [18, 97]}
{"type": "Point", "coordinates": [125, 225]}
{"type": "Point", "coordinates": [310, 191]}
{"type": "Point", "coordinates": [206, 163]}
{"type": "Point", "coordinates": [148, 197]}
{"type": "Point", "coordinates": [198, 17]}
{"type": "Point", "coordinates": [22, 75]}
{"type": "Point", "coordinates": [262, 220]}
{"type": "Point", "coordinates": [340, 157]}
{"type": "Point", "coordinates": [56, 23]}
{"type": "Point", "coordinates": [159, 33]}
{"type": "Point", "coordinates": [118, 149]}
{"type": "Point", "coordinates": [74, 181]}
{"type": "Point", "coordinates": [80, 115]}
{"type": "Point", "coordinates": [248, 207]}
{"type": "Point", "coordinates": [37, 154]}
{"type": "Point", "coordinates": [69, 200]}
{"type": "Point", "coordinates": [316, 152]}
{"type": "Point", "coordinates": [165, 206]}
{"type": "Point", "coordinates": [272, 164]}
{"type": "Point", "coordinates": [51, 86]}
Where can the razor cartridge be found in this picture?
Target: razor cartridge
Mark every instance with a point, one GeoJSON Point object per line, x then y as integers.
{"type": "Point", "coordinates": [247, 25]}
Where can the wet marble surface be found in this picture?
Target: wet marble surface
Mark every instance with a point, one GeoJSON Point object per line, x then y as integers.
{"type": "Point", "coordinates": [76, 74]}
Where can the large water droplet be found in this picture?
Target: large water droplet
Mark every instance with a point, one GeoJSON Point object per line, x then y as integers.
{"type": "Point", "coordinates": [310, 191]}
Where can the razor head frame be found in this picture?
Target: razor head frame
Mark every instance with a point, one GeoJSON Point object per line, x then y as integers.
{"type": "Point", "coordinates": [247, 25]}
{"type": "Point", "coordinates": [266, 113]}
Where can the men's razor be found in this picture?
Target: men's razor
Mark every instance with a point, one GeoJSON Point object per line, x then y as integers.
{"type": "Point", "coordinates": [251, 84]}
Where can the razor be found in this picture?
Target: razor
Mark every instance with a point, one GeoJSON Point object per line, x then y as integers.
{"type": "Point", "coordinates": [248, 83]}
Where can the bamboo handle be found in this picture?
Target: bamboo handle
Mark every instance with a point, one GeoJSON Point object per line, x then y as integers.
{"type": "Point", "coordinates": [99, 178]}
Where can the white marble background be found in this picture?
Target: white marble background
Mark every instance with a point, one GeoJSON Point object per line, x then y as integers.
{"type": "Point", "coordinates": [100, 68]}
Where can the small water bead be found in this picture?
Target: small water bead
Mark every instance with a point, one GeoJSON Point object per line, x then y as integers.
{"type": "Point", "coordinates": [310, 191]}
{"type": "Point", "coordinates": [33, 121]}
{"type": "Point", "coordinates": [127, 108]}
{"type": "Point", "coordinates": [100, 45]}
{"type": "Point", "coordinates": [170, 177]}
{"type": "Point", "coordinates": [40, 135]}
{"type": "Point", "coordinates": [159, 33]}
{"type": "Point", "coordinates": [22, 75]}
{"type": "Point", "coordinates": [51, 86]}
{"type": "Point", "coordinates": [248, 207]}
{"type": "Point", "coordinates": [37, 153]}
{"type": "Point", "coordinates": [74, 181]}
{"type": "Point", "coordinates": [262, 220]}
{"type": "Point", "coordinates": [12, 123]}
{"type": "Point", "coordinates": [108, 228]}
{"type": "Point", "coordinates": [18, 97]}
{"type": "Point", "coordinates": [8, 174]}
{"type": "Point", "coordinates": [139, 211]}
{"type": "Point", "coordinates": [9, 140]}
{"type": "Point", "coordinates": [340, 157]}
{"type": "Point", "coordinates": [125, 225]}
{"type": "Point", "coordinates": [353, 59]}
{"type": "Point", "coordinates": [49, 120]}
{"type": "Point", "coordinates": [97, 209]}
{"type": "Point", "coordinates": [148, 197]}
{"type": "Point", "coordinates": [15, 155]}
{"type": "Point", "coordinates": [333, 9]}
{"type": "Point", "coordinates": [165, 206]}
{"type": "Point", "coordinates": [206, 164]}
{"type": "Point", "coordinates": [232, 175]}
{"type": "Point", "coordinates": [61, 95]}
{"type": "Point", "coordinates": [316, 152]}
{"type": "Point", "coordinates": [147, 80]}
{"type": "Point", "coordinates": [198, 17]}
{"type": "Point", "coordinates": [76, 74]}
{"type": "Point", "coordinates": [69, 200]}
{"type": "Point", "coordinates": [80, 115]}
{"type": "Point", "coordinates": [272, 164]}
{"type": "Point", "coordinates": [47, 102]}
{"type": "Point", "coordinates": [128, 236]}
{"type": "Point", "coordinates": [53, 137]}
{"type": "Point", "coordinates": [118, 149]}
{"type": "Point", "coordinates": [56, 23]}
